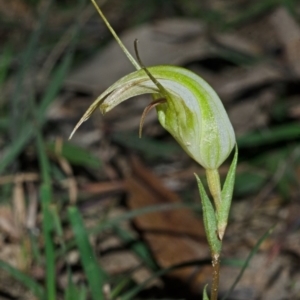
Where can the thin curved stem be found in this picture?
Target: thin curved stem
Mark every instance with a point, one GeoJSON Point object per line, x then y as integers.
{"type": "Point", "coordinates": [127, 53]}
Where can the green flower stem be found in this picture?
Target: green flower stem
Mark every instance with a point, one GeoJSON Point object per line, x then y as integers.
{"type": "Point", "coordinates": [214, 185]}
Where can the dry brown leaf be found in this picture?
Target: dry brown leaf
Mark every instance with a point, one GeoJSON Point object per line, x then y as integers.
{"type": "Point", "coordinates": [104, 187]}
{"type": "Point", "coordinates": [260, 278]}
{"type": "Point", "coordinates": [252, 113]}
{"type": "Point", "coordinates": [238, 43]}
{"type": "Point", "coordinates": [19, 207]}
{"type": "Point", "coordinates": [234, 83]}
{"type": "Point", "coordinates": [7, 225]}
{"type": "Point", "coordinates": [175, 236]}
{"type": "Point", "coordinates": [32, 208]}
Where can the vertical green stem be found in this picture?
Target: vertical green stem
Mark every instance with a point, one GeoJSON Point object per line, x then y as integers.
{"type": "Point", "coordinates": [214, 185]}
{"type": "Point", "coordinates": [49, 246]}
{"type": "Point", "coordinates": [46, 199]}
{"type": "Point", "coordinates": [216, 275]}
{"type": "Point", "coordinates": [213, 180]}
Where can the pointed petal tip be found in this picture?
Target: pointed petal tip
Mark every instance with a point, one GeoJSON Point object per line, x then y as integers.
{"type": "Point", "coordinates": [70, 136]}
{"type": "Point", "coordinates": [73, 131]}
{"type": "Point", "coordinates": [85, 117]}
{"type": "Point", "coordinates": [221, 232]}
{"type": "Point", "coordinates": [77, 126]}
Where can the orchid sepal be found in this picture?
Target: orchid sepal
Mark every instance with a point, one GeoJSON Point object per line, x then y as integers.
{"type": "Point", "coordinates": [192, 112]}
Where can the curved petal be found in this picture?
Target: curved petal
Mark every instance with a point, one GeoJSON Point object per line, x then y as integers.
{"type": "Point", "coordinates": [193, 112]}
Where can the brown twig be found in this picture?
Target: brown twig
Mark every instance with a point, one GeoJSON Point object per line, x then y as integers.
{"type": "Point", "coordinates": [216, 275]}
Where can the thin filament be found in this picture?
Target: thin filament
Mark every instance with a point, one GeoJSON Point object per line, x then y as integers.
{"type": "Point", "coordinates": [146, 111]}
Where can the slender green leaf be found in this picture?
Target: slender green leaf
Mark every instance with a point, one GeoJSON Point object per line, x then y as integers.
{"type": "Point", "coordinates": [227, 192]}
{"type": "Point", "coordinates": [137, 246]}
{"type": "Point", "coordinates": [46, 199]}
{"type": "Point", "coordinates": [76, 155]}
{"type": "Point", "coordinates": [29, 54]}
{"type": "Point", "coordinates": [251, 254]}
{"type": "Point", "coordinates": [43, 162]}
{"type": "Point", "coordinates": [35, 248]}
{"type": "Point", "coordinates": [26, 280]}
{"type": "Point", "coordinates": [131, 215]}
{"type": "Point", "coordinates": [4, 123]}
{"type": "Point", "coordinates": [27, 130]}
{"type": "Point", "coordinates": [205, 297]}
{"type": "Point", "coordinates": [119, 288]}
{"type": "Point", "coordinates": [137, 212]}
{"type": "Point", "coordinates": [152, 149]}
{"type": "Point", "coordinates": [250, 182]}
{"type": "Point", "coordinates": [71, 292]}
{"type": "Point", "coordinates": [74, 292]}
{"type": "Point", "coordinates": [233, 262]}
{"type": "Point", "coordinates": [49, 247]}
{"type": "Point", "coordinates": [83, 294]}
{"type": "Point", "coordinates": [209, 220]}
{"type": "Point", "coordinates": [277, 134]}
{"type": "Point", "coordinates": [5, 61]}
{"type": "Point", "coordinates": [95, 275]}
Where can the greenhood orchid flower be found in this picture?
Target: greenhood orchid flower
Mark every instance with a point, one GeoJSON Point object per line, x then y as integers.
{"type": "Point", "coordinates": [192, 111]}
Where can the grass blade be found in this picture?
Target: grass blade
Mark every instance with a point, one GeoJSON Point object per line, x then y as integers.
{"type": "Point", "coordinates": [277, 134]}
{"type": "Point", "coordinates": [131, 215]}
{"type": "Point", "coordinates": [5, 62]}
{"type": "Point", "coordinates": [73, 292]}
{"type": "Point", "coordinates": [205, 297]}
{"type": "Point", "coordinates": [49, 247]}
{"type": "Point", "coordinates": [46, 199]}
{"type": "Point", "coordinates": [209, 220]}
{"type": "Point", "coordinates": [76, 155]}
{"type": "Point", "coordinates": [27, 130]}
{"type": "Point", "coordinates": [136, 246]}
{"type": "Point", "coordinates": [145, 210]}
{"type": "Point", "coordinates": [95, 275]}
{"type": "Point", "coordinates": [26, 280]}
{"type": "Point", "coordinates": [28, 55]}
{"type": "Point", "coordinates": [251, 254]}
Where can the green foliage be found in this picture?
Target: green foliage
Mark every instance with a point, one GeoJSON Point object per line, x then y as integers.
{"type": "Point", "coordinates": [205, 297]}
{"type": "Point", "coordinates": [209, 220]}
{"type": "Point", "coordinates": [227, 193]}
{"type": "Point", "coordinates": [75, 155]}
{"type": "Point", "coordinates": [26, 280]}
{"type": "Point", "coordinates": [150, 148]}
{"type": "Point", "coordinates": [27, 130]}
{"type": "Point", "coordinates": [5, 62]}
{"type": "Point", "coordinates": [247, 261]}
{"type": "Point", "coordinates": [277, 134]}
{"type": "Point", "coordinates": [74, 292]}
{"type": "Point", "coordinates": [95, 275]}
